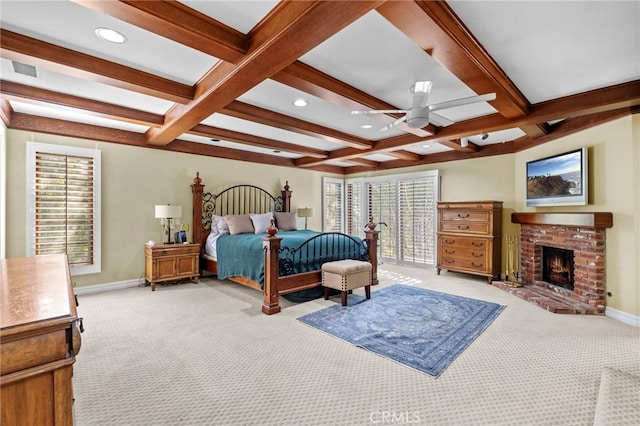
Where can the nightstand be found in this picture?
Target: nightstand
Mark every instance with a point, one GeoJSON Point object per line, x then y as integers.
{"type": "Point", "coordinates": [170, 262]}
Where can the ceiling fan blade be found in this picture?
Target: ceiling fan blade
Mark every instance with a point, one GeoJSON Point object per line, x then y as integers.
{"type": "Point", "coordinates": [394, 123]}
{"type": "Point", "coordinates": [421, 92]}
{"type": "Point", "coordinates": [438, 120]}
{"type": "Point", "coordinates": [381, 111]}
{"type": "Point", "coordinates": [462, 101]}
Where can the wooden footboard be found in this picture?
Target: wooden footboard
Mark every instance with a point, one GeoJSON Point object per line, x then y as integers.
{"type": "Point", "coordinates": [276, 281]}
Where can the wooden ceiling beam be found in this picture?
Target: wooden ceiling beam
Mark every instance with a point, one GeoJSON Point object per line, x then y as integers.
{"type": "Point", "coordinates": [5, 112]}
{"type": "Point", "coordinates": [124, 137]}
{"type": "Point", "coordinates": [456, 146]}
{"type": "Point", "coordinates": [267, 117]}
{"type": "Point", "coordinates": [402, 154]}
{"type": "Point", "coordinates": [14, 46]}
{"type": "Point", "coordinates": [247, 139]}
{"type": "Point", "coordinates": [434, 27]}
{"type": "Point", "coordinates": [17, 91]}
{"type": "Point", "coordinates": [175, 21]}
{"type": "Point", "coordinates": [310, 80]}
{"type": "Point", "coordinates": [288, 32]}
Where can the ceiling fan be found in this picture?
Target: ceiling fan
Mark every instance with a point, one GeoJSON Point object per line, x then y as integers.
{"type": "Point", "coordinates": [421, 113]}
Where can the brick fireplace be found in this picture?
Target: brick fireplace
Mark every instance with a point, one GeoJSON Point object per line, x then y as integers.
{"type": "Point", "coordinates": [584, 235]}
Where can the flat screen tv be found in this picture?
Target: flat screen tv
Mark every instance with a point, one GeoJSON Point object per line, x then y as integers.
{"type": "Point", "coordinates": [559, 180]}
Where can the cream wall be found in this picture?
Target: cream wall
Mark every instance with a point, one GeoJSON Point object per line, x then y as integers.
{"type": "Point", "coordinates": [613, 187]}
{"type": "Point", "coordinates": [135, 179]}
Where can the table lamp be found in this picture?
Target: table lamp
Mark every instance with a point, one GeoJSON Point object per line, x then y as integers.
{"type": "Point", "coordinates": [166, 213]}
{"type": "Point", "coordinates": [306, 212]}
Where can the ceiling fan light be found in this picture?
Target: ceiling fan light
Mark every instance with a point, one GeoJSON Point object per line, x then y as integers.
{"type": "Point", "coordinates": [417, 118]}
{"type": "Point", "coordinates": [300, 103]}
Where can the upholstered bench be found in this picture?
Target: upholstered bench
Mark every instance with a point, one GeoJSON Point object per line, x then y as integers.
{"type": "Point", "coordinates": [346, 275]}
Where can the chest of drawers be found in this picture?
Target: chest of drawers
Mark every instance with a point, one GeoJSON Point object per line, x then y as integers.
{"type": "Point", "coordinates": [40, 334]}
{"type": "Point", "coordinates": [469, 237]}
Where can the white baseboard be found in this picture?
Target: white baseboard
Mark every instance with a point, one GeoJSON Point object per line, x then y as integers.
{"type": "Point", "coordinates": [99, 288]}
{"type": "Point", "coordinates": [622, 317]}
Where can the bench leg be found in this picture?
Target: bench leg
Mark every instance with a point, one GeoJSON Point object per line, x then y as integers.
{"type": "Point", "coordinates": [343, 295]}
{"type": "Point", "coordinates": [367, 291]}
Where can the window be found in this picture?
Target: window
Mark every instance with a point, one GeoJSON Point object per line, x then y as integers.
{"type": "Point", "coordinates": [333, 208]}
{"type": "Point", "coordinates": [403, 206]}
{"type": "Point", "coordinates": [63, 204]}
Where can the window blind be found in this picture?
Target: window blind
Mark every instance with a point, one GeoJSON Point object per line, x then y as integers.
{"type": "Point", "coordinates": [333, 209]}
{"type": "Point", "coordinates": [417, 224]}
{"type": "Point", "coordinates": [383, 207]}
{"type": "Point", "coordinates": [64, 207]}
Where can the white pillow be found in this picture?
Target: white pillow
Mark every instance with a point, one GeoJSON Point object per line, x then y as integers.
{"type": "Point", "coordinates": [219, 225]}
{"type": "Point", "coordinates": [261, 222]}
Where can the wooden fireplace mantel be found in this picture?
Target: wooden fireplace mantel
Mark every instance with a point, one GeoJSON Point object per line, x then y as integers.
{"type": "Point", "coordinates": [579, 219]}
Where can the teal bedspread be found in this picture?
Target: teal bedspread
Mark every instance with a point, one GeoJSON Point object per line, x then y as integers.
{"type": "Point", "coordinates": [242, 254]}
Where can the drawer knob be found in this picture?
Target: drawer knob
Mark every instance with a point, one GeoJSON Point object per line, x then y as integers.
{"type": "Point", "coordinates": [450, 261]}
{"type": "Point", "coordinates": [477, 244]}
{"type": "Point", "coordinates": [463, 227]}
{"type": "Point", "coordinates": [477, 254]}
{"type": "Point", "coordinates": [449, 241]}
{"type": "Point", "coordinates": [450, 251]}
{"type": "Point", "coordinates": [479, 265]}
{"type": "Point", "coordinates": [463, 216]}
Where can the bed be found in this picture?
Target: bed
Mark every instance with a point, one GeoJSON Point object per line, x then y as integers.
{"type": "Point", "coordinates": [276, 262]}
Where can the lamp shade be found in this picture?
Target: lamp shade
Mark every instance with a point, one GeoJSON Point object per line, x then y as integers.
{"type": "Point", "coordinates": [305, 212]}
{"type": "Point", "coordinates": [164, 211]}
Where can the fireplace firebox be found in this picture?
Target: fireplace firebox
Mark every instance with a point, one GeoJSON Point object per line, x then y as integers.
{"type": "Point", "coordinates": [557, 267]}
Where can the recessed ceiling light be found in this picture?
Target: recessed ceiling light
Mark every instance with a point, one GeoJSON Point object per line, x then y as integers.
{"type": "Point", "coordinates": [426, 146]}
{"type": "Point", "coordinates": [300, 103]}
{"type": "Point", "coordinates": [366, 126]}
{"type": "Point", "coordinates": [110, 35]}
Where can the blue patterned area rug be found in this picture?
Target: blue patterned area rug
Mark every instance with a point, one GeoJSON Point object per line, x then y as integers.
{"type": "Point", "coordinates": [423, 329]}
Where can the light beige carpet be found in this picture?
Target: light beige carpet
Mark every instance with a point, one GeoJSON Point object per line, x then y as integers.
{"type": "Point", "coordinates": [205, 355]}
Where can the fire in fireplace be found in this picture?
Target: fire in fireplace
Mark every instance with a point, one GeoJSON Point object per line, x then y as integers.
{"type": "Point", "coordinates": [557, 266]}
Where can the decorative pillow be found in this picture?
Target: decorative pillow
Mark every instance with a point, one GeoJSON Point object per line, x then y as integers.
{"type": "Point", "coordinates": [261, 222]}
{"type": "Point", "coordinates": [218, 225]}
{"type": "Point", "coordinates": [239, 224]}
{"type": "Point", "coordinates": [287, 221]}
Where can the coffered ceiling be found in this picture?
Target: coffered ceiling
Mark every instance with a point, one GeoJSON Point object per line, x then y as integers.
{"type": "Point", "coordinates": [219, 78]}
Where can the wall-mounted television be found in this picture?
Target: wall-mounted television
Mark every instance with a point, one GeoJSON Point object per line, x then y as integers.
{"type": "Point", "coordinates": [559, 180]}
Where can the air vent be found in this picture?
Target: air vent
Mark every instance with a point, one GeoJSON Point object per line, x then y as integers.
{"type": "Point", "coordinates": [24, 69]}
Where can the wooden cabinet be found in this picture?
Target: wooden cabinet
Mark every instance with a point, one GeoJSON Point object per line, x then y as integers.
{"type": "Point", "coordinates": [40, 340]}
{"type": "Point", "coordinates": [469, 237]}
{"type": "Point", "coordinates": [166, 262]}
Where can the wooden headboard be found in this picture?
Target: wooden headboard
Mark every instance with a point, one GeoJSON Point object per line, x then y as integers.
{"type": "Point", "coordinates": [238, 199]}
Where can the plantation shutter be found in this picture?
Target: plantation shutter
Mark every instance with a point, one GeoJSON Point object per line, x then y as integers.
{"type": "Point", "coordinates": [64, 207]}
{"type": "Point", "coordinates": [332, 212]}
{"type": "Point", "coordinates": [383, 207]}
{"type": "Point", "coordinates": [355, 216]}
{"type": "Point", "coordinates": [417, 225]}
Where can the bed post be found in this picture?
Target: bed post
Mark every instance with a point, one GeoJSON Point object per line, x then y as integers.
{"type": "Point", "coordinates": [286, 198]}
{"type": "Point", "coordinates": [372, 248]}
{"type": "Point", "coordinates": [271, 246]}
{"type": "Point", "coordinates": [197, 189]}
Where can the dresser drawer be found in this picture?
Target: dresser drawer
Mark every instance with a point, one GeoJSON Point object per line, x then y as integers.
{"type": "Point", "coordinates": [460, 242]}
{"type": "Point", "coordinates": [464, 216]}
{"type": "Point", "coordinates": [177, 250]}
{"type": "Point", "coordinates": [465, 227]}
{"type": "Point", "coordinates": [465, 264]}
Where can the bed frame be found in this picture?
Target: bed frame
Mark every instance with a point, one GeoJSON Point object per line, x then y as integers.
{"type": "Point", "coordinates": [244, 199]}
